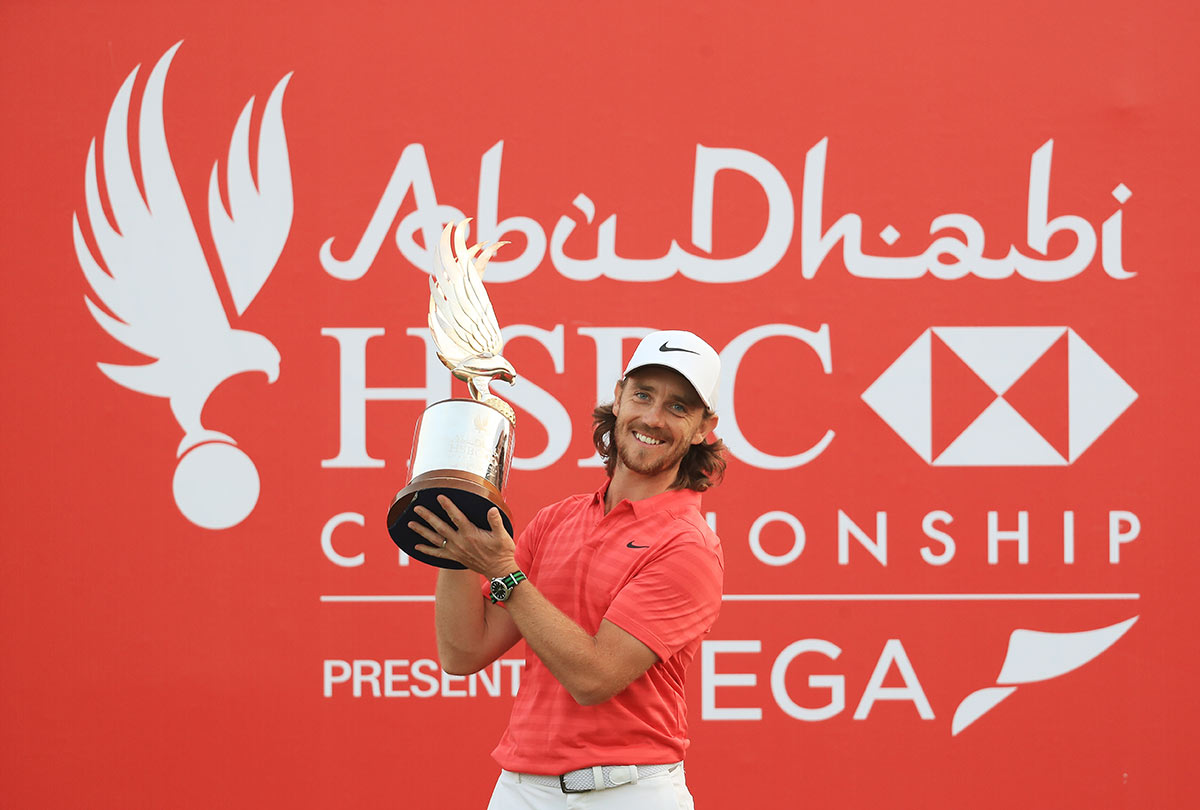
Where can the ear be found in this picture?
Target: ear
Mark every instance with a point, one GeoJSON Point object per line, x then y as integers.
{"type": "Point", "coordinates": [616, 403]}
{"type": "Point", "coordinates": [706, 427]}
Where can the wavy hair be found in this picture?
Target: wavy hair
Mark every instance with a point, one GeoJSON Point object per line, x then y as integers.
{"type": "Point", "coordinates": [702, 467]}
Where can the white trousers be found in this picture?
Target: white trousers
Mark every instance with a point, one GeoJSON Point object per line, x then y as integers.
{"type": "Point", "coordinates": [663, 791]}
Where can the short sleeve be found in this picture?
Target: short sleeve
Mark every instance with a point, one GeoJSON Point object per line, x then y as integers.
{"type": "Point", "coordinates": [528, 540]}
{"type": "Point", "coordinates": [674, 599]}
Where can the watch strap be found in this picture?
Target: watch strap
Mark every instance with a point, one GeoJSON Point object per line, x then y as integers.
{"type": "Point", "coordinates": [514, 579]}
{"type": "Point", "coordinates": [509, 581]}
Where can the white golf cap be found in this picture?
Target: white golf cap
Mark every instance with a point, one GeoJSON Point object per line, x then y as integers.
{"type": "Point", "coordinates": [686, 353]}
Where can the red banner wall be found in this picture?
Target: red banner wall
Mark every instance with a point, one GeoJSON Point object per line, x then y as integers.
{"type": "Point", "coordinates": [943, 250]}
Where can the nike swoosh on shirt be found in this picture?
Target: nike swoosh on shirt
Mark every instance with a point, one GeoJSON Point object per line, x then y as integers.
{"type": "Point", "coordinates": [631, 545]}
{"type": "Point", "coordinates": [666, 348]}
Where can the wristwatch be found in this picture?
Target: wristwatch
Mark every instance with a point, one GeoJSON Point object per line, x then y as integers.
{"type": "Point", "coordinates": [502, 587]}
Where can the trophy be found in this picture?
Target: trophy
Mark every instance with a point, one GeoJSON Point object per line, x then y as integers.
{"type": "Point", "coordinates": [462, 448]}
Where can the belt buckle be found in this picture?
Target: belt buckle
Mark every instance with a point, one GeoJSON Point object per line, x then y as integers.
{"type": "Point", "coordinates": [562, 783]}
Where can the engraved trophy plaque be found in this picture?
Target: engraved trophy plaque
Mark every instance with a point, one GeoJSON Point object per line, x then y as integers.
{"type": "Point", "coordinates": [462, 448]}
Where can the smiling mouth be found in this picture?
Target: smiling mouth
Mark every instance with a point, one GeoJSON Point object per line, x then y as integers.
{"type": "Point", "coordinates": [644, 439]}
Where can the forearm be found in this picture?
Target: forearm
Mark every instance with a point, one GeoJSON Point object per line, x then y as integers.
{"type": "Point", "coordinates": [461, 619]}
{"type": "Point", "coordinates": [591, 671]}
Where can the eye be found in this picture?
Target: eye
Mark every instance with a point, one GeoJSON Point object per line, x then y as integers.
{"type": "Point", "coordinates": [641, 395]}
{"type": "Point", "coordinates": [679, 408]}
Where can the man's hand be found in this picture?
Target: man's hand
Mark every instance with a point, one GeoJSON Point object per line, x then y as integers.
{"type": "Point", "coordinates": [490, 553]}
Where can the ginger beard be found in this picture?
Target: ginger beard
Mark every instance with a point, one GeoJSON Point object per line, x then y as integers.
{"type": "Point", "coordinates": [649, 459]}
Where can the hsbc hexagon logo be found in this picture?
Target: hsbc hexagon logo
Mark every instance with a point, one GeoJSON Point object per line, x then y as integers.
{"type": "Point", "coordinates": [966, 396]}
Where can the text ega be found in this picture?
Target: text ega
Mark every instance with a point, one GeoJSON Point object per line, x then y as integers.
{"type": "Point", "coordinates": [828, 698]}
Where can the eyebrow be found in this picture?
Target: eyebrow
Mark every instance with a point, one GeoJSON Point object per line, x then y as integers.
{"type": "Point", "coordinates": [689, 402]}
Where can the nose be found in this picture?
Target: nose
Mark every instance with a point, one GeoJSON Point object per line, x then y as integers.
{"type": "Point", "coordinates": [653, 416]}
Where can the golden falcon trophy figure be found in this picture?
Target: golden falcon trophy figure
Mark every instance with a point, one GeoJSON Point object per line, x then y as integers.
{"type": "Point", "coordinates": [462, 448]}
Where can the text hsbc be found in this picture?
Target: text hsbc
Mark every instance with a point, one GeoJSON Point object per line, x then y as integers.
{"type": "Point", "coordinates": [354, 393]}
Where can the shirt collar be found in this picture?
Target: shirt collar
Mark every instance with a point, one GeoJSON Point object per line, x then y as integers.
{"type": "Point", "coordinates": [671, 499]}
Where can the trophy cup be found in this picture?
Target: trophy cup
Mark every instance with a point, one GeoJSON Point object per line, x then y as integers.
{"type": "Point", "coordinates": [462, 448]}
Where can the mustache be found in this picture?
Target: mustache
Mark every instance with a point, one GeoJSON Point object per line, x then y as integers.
{"type": "Point", "coordinates": [645, 431]}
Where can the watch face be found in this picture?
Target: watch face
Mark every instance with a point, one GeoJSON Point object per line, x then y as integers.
{"type": "Point", "coordinates": [499, 590]}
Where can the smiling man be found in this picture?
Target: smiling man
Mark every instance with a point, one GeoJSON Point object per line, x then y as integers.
{"type": "Point", "coordinates": [611, 591]}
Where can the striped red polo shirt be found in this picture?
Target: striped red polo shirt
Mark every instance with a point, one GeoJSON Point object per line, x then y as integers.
{"type": "Point", "coordinates": [652, 567]}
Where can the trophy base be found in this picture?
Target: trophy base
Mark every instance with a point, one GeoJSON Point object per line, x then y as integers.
{"type": "Point", "coordinates": [472, 494]}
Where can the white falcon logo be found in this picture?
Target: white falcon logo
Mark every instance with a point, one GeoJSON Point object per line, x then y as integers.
{"type": "Point", "coordinates": [161, 293]}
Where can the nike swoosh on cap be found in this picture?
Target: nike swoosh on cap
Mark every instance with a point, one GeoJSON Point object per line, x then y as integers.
{"type": "Point", "coordinates": [666, 348]}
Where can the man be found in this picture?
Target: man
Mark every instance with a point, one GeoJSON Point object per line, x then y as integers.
{"type": "Point", "coordinates": [612, 592]}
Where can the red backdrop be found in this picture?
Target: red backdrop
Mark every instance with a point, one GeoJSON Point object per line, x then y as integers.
{"type": "Point", "coordinates": [891, 518]}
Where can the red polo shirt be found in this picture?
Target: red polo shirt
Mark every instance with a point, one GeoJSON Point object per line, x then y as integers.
{"type": "Point", "coordinates": [652, 567]}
